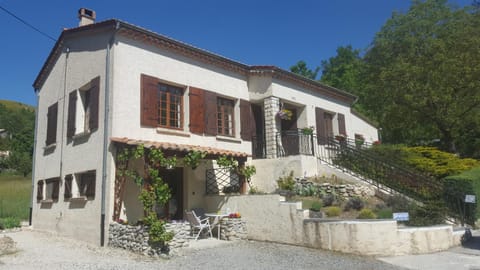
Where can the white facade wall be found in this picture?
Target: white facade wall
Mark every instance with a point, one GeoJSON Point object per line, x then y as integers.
{"type": "Point", "coordinates": [134, 58]}
{"type": "Point", "coordinates": [80, 219]}
{"type": "Point", "coordinates": [360, 126]}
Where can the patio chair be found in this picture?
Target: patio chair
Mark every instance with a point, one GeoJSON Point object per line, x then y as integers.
{"type": "Point", "coordinates": [198, 224]}
{"type": "Point", "coordinates": [200, 212]}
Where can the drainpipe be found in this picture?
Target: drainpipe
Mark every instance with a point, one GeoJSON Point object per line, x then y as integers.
{"type": "Point", "coordinates": [105, 135]}
{"type": "Point", "coordinates": [33, 159]}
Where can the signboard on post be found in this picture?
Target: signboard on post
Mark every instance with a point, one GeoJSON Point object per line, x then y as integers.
{"type": "Point", "coordinates": [401, 216]}
{"type": "Point", "coordinates": [470, 198]}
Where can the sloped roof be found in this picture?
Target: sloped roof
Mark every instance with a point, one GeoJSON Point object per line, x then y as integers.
{"type": "Point", "coordinates": [183, 148]}
{"type": "Point", "coordinates": [138, 33]}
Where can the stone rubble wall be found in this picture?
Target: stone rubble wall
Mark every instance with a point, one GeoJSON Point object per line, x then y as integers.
{"type": "Point", "coordinates": [343, 190]}
{"type": "Point", "coordinates": [233, 229]}
{"type": "Point", "coordinates": [135, 238]}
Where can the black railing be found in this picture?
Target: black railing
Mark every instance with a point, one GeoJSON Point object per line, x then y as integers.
{"type": "Point", "coordinates": [382, 173]}
{"type": "Point", "coordinates": [259, 147]}
{"type": "Point", "coordinates": [294, 142]}
{"type": "Point", "coordinates": [222, 180]}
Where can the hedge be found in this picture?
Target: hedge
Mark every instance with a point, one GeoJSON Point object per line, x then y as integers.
{"type": "Point", "coordinates": [455, 189]}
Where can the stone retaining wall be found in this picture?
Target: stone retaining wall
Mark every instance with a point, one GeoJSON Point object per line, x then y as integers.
{"type": "Point", "coordinates": [135, 238]}
{"type": "Point", "coordinates": [343, 190]}
{"type": "Point", "coordinates": [233, 229]}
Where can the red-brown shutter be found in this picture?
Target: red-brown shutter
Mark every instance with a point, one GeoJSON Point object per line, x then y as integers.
{"type": "Point", "coordinates": [197, 114]}
{"type": "Point", "coordinates": [149, 99]}
{"type": "Point", "coordinates": [210, 113]}
{"type": "Point", "coordinates": [89, 179]}
{"type": "Point", "coordinates": [341, 124]}
{"type": "Point", "coordinates": [94, 102]}
{"type": "Point", "coordinates": [68, 187]}
{"type": "Point", "coordinates": [40, 190]}
{"type": "Point", "coordinates": [72, 110]}
{"type": "Point", "coordinates": [320, 123]}
{"type": "Point", "coordinates": [52, 124]}
{"type": "Point", "coordinates": [247, 123]}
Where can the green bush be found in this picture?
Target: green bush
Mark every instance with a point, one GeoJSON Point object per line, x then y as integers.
{"type": "Point", "coordinates": [333, 211]}
{"type": "Point", "coordinates": [354, 203]}
{"type": "Point", "coordinates": [385, 213]}
{"type": "Point", "coordinates": [316, 206]}
{"type": "Point", "coordinates": [366, 214]}
{"type": "Point", "coordinates": [455, 189]}
{"type": "Point", "coordinates": [329, 199]}
{"type": "Point", "coordinates": [431, 213]}
{"type": "Point", "coordinates": [397, 203]}
{"type": "Point", "coordinates": [286, 182]}
{"type": "Point", "coordinates": [9, 222]}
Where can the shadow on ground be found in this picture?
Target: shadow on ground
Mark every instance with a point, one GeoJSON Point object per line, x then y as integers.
{"type": "Point", "coordinates": [473, 243]}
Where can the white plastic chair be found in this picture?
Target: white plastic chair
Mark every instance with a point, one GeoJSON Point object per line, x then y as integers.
{"type": "Point", "coordinates": [198, 224]}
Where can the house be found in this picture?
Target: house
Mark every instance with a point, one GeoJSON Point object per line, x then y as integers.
{"type": "Point", "coordinates": [111, 84]}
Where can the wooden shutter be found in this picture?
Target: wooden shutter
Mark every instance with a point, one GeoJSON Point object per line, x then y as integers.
{"type": "Point", "coordinates": [55, 189]}
{"type": "Point", "coordinates": [210, 113]}
{"type": "Point", "coordinates": [40, 190]}
{"type": "Point", "coordinates": [247, 121]}
{"type": "Point", "coordinates": [341, 124]}
{"type": "Point", "coordinates": [68, 187]}
{"type": "Point", "coordinates": [72, 110]}
{"type": "Point", "coordinates": [52, 124]}
{"type": "Point", "coordinates": [94, 102]}
{"type": "Point", "coordinates": [320, 123]}
{"type": "Point", "coordinates": [197, 113]}
{"type": "Point", "coordinates": [149, 101]}
{"type": "Point", "coordinates": [89, 179]}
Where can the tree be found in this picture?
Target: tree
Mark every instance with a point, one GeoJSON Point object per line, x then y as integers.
{"type": "Point", "coordinates": [422, 74]}
{"type": "Point", "coordinates": [301, 69]}
{"type": "Point", "coordinates": [343, 70]}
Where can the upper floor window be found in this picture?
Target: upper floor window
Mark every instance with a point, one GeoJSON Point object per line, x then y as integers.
{"type": "Point", "coordinates": [161, 104]}
{"type": "Point", "coordinates": [52, 124]}
{"type": "Point", "coordinates": [83, 109]}
{"type": "Point", "coordinates": [225, 120]}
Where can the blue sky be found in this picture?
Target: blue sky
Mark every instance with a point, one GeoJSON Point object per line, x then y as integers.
{"type": "Point", "coordinates": [261, 32]}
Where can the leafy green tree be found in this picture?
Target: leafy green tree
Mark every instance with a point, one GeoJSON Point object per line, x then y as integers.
{"type": "Point", "coordinates": [343, 70]}
{"type": "Point", "coordinates": [422, 75]}
{"type": "Point", "coordinates": [301, 69]}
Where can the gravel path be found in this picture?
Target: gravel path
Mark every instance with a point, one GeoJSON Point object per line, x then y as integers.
{"type": "Point", "coordinates": [39, 250]}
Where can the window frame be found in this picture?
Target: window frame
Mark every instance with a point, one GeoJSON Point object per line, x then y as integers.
{"type": "Point", "coordinates": [167, 108]}
{"type": "Point", "coordinates": [225, 117]}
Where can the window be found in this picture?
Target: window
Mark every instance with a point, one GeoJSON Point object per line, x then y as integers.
{"type": "Point", "coordinates": [80, 185]}
{"type": "Point", "coordinates": [52, 188]}
{"type": "Point", "coordinates": [83, 109]}
{"type": "Point", "coordinates": [40, 190]}
{"type": "Point", "coordinates": [52, 124]}
{"type": "Point", "coordinates": [225, 121]}
{"type": "Point", "coordinates": [161, 104]}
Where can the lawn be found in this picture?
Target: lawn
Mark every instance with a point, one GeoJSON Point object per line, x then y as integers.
{"type": "Point", "coordinates": [15, 192]}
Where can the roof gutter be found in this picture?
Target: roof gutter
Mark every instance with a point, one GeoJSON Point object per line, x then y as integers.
{"type": "Point", "coordinates": [105, 134]}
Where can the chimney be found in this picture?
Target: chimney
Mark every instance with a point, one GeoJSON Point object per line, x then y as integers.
{"type": "Point", "coordinates": [86, 16]}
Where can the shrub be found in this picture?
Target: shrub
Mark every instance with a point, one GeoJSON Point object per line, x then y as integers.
{"type": "Point", "coordinates": [255, 190]}
{"type": "Point", "coordinates": [432, 213]}
{"type": "Point", "coordinates": [9, 222]}
{"type": "Point", "coordinates": [333, 211]}
{"type": "Point", "coordinates": [366, 214]}
{"type": "Point", "coordinates": [397, 203]}
{"type": "Point", "coordinates": [455, 189]}
{"type": "Point", "coordinates": [385, 213]}
{"type": "Point", "coordinates": [316, 206]}
{"type": "Point", "coordinates": [328, 199]}
{"type": "Point", "coordinates": [286, 182]}
{"type": "Point", "coordinates": [355, 203]}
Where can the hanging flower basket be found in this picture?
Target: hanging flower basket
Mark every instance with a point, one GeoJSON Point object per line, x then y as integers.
{"type": "Point", "coordinates": [341, 137]}
{"type": "Point", "coordinates": [285, 114]}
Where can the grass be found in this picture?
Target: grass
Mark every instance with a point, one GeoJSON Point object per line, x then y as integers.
{"type": "Point", "coordinates": [15, 192]}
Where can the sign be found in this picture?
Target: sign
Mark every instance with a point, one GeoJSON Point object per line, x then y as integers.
{"type": "Point", "coordinates": [402, 216]}
{"type": "Point", "coordinates": [470, 198]}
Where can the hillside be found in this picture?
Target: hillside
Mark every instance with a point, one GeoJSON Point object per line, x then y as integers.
{"type": "Point", "coordinates": [15, 106]}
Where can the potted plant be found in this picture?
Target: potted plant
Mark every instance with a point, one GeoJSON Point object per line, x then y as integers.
{"type": "Point", "coordinates": [359, 140]}
{"type": "Point", "coordinates": [307, 130]}
{"type": "Point", "coordinates": [285, 114]}
{"type": "Point", "coordinates": [341, 137]}
{"type": "Point", "coordinates": [315, 210]}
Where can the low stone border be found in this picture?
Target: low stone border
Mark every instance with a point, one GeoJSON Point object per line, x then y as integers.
{"type": "Point", "coordinates": [233, 229]}
{"type": "Point", "coordinates": [135, 238]}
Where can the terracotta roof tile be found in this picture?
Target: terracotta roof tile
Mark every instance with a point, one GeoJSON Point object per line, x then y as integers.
{"type": "Point", "coordinates": [179, 147]}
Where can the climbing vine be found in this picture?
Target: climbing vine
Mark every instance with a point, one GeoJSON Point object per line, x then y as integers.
{"type": "Point", "coordinates": [153, 189]}
{"type": "Point", "coordinates": [244, 170]}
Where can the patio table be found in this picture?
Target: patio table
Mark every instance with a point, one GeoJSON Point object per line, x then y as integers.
{"type": "Point", "coordinates": [217, 218]}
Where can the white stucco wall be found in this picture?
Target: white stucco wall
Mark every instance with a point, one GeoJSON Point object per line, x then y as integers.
{"type": "Point", "coordinates": [80, 219]}
{"type": "Point", "coordinates": [133, 58]}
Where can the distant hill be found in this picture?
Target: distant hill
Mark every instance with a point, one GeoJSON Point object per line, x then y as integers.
{"type": "Point", "coordinates": [15, 106]}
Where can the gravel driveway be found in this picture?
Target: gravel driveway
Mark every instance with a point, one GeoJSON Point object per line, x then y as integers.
{"type": "Point", "coordinates": [39, 250]}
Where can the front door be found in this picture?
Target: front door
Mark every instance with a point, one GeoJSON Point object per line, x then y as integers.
{"type": "Point", "coordinates": [289, 134]}
{"type": "Point", "coordinates": [174, 208]}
